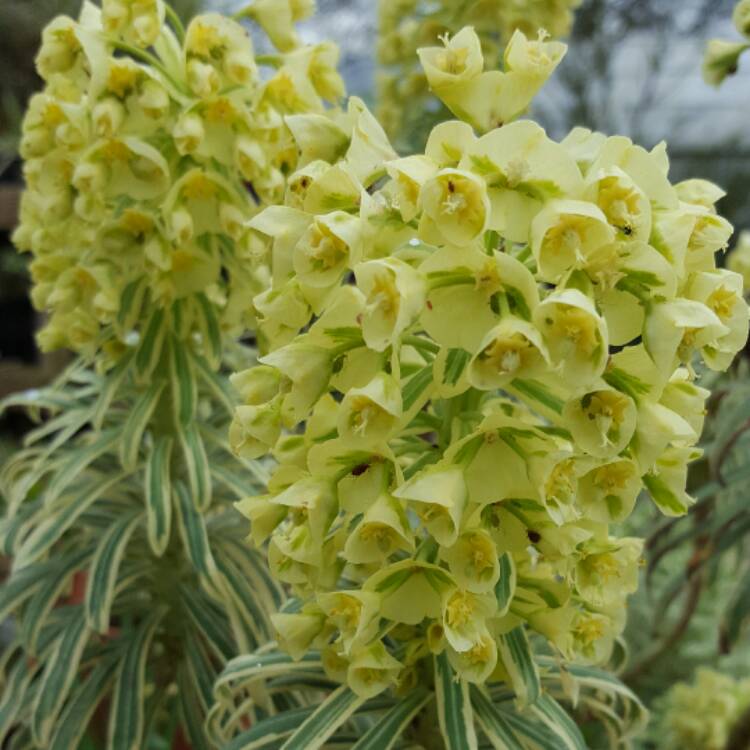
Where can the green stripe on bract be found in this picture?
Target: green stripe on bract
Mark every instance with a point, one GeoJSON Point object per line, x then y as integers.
{"type": "Point", "coordinates": [416, 386]}
{"type": "Point", "coordinates": [454, 707]}
{"type": "Point", "coordinates": [538, 392]}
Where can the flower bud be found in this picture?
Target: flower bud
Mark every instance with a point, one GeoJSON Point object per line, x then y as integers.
{"type": "Point", "coordinates": [153, 99]}
{"type": "Point", "coordinates": [108, 115]}
{"type": "Point", "coordinates": [188, 133]}
{"type": "Point", "coordinates": [369, 415]}
{"type": "Point", "coordinates": [203, 79]}
{"type": "Point", "coordinates": [454, 203]}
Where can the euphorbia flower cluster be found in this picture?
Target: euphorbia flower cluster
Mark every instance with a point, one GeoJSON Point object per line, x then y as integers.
{"type": "Point", "coordinates": [408, 25]}
{"type": "Point", "coordinates": [145, 155]}
{"type": "Point", "coordinates": [722, 57]}
{"type": "Point", "coordinates": [476, 358]}
{"type": "Point", "coordinates": [702, 713]}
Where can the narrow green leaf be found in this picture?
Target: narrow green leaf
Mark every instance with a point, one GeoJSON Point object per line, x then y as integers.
{"type": "Point", "coordinates": [112, 382]}
{"type": "Point", "coordinates": [150, 348]}
{"type": "Point", "coordinates": [190, 712]}
{"type": "Point", "coordinates": [196, 463]}
{"type": "Point", "coordinates": [252, 613]}
{"type": "Point", "coordinates": [325, 720]}
{"type": "Point", "coordinates": [136, 423]}
{"type": "Point", "coordinates": [271, 731]}
{"type": "Point", "coordinates": [71, 469]}
{"type": "Point", "coordinates": [209, 324]}
{"type": "Point", "coordinates": [21, 585]}
{"type": "Point", "coordinates": [100, 591]}
{"type": "Point", "coordinates": [47, 595]}
{"type": "Point", "coordinates": [455, 715]}
{"type": "Point", "coordinates": [387, 731]}
{"type": "Point", "coordinates": [506, 584]}
{"type": "Point", "coordinates": [126, 718]}
{"type": "Point", "coordinates": [249, 667]}
{"type": "Point", "coordinates": [200, 669]}
{"type": "Point", "coordinates": [130, 304]}
{"type": "Point", "coordinates": [157, 480]}
{"type": "Point", "coordinates": [217, 384]}
{"type": "Point", "coordinates": [520, 664]}
{"type": "Point", "coordinates": [254, 566]}
{"type": "Point", "coordinates": [194, 536]}
{"type": "Point", "coordinates": [59, 520]}
{"type": "Point", "coordinates": [59, 673]}
{"type": "Point", "coordinates": [15, 527]}
{"type": "Point", "coordinates": [184, 387]}
{"type": "Point", "coordinates": [738, 612]}
{"type": "Point", "coordinates": [75, 718]}
{"type": "Point", "coordinates": [559, 722]}
{"type": "Point", "coordinates": [492, 722]}
{"type": "Point", "coordinates": [210, 620]}
{"type": "Point", "coordinates": [16, 681]}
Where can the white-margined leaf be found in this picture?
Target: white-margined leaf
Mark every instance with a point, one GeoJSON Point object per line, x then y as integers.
{"type": "Point", "coordinates": [194, 536]}
{"type": "Point", "coordinates": [455, 715]}
{"type": "Point", "coordinates": [135, 425]}
{"type": "Point", "coordinates": [209, 325]}
{"type": "Point", "coordinates": [83, 701]}
{"type": "Point", "coordinates": [197, 466]}
{"type": "Point", "coordinates": [158, 486]}
{"type": "Point", "coordinates": [48, 594]}
{"type": "Point", "coordinates": [100, 590]}
{"type": "Point", "coordinates": [506, 584]}
{"type": "Point", "coordinates": [494, 725]}
{"type": "Point", "coordinates": [73, 466]}
{"type": "Point", "coordinates": [184, 387]}
{"type": "Point", "coordinates": [324, 720]}
{"type": "Point", "coordinates": [60, 518]}
{"type": "Point", "coordinates": [551, 713]}
{"type": "Point", "coordinates": [519, 661]}
{"type": "Point", "coordinates": [17, 679]}
{"type": "Point", "coordinates": [386, 731]}
{"type": "Point", "coordinates": [126, 717]}
{"type": "Point", "coordinates": [60, 670]}
{"type": "Point", "coordinates": [150, 347]}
